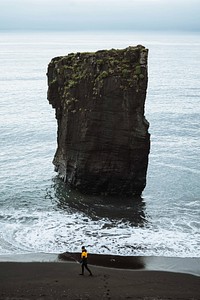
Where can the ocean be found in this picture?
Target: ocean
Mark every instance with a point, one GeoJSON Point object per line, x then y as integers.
{"type": "Point", "coordinates": [38, 213]}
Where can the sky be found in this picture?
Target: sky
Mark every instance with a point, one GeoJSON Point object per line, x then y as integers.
{"type": "Point", "coordinates": [92, 15]}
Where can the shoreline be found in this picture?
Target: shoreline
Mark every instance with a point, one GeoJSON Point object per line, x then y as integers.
{"type": "Point", "coordinates": [140, 263]}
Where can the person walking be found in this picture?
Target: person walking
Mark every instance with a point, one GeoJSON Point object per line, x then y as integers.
{"type": "Point", "coordinates": [84, 256]}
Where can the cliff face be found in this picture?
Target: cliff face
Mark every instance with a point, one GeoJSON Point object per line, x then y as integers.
{"type": "Point", "coordinates": [103, 139]}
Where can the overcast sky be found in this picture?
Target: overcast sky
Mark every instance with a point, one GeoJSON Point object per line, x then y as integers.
{"type": "Point", "coordinates": [100, 14]}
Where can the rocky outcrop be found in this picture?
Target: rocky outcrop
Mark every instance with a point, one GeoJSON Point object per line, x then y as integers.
{"type": "Point", "coordinates": [103, 139]}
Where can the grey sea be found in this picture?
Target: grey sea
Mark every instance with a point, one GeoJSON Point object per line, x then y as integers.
{"type": "Point", "coordinates": [38, 213]}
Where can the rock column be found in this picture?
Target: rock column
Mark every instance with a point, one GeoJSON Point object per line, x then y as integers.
{"type": "Point", "coordinates": [103, 139]}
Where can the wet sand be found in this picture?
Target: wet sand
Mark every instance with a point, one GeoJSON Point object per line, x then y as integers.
{"type": "Point", "coordinates": [61, 280]}
{"type": "Point", "coordinates": [147, 263]}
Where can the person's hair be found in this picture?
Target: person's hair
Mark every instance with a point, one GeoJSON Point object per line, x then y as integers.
{"type": "Point", "coordinates": [83, 247]}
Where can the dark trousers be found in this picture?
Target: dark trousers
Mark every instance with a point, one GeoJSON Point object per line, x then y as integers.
{"type": "Point", "coordinates": [84, 265]}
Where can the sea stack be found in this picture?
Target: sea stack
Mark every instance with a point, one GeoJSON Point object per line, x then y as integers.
{"type": "Point", "coordinates": [103, 139]}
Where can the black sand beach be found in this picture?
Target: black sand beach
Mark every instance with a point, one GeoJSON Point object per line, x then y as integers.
{"type": "Point", "coordinates": [61, 280]}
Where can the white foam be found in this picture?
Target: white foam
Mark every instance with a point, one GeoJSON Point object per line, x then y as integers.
{"type": "Point", "coordinates": [58, 231]}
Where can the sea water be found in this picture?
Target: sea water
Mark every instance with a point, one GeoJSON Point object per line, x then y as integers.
{"type": "Point", "coordinates": [38, 213]}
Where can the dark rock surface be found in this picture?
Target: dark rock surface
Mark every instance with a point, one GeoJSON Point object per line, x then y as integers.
{"type": "Point", "coordinates": [103, 139]}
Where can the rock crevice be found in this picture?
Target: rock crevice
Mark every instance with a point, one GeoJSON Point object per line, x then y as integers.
{"type": "Point", "coordinates": [103, 139]}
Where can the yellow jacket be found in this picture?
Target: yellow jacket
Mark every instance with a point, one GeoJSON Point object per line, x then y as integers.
{"type": "Point", "coordinates": [84, 254]}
